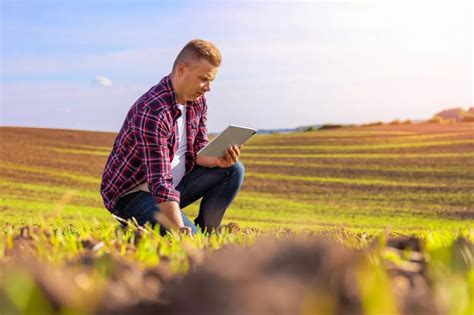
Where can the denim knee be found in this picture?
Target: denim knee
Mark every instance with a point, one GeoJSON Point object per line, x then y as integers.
{"type": "Point", "coordinates": [237, 170]}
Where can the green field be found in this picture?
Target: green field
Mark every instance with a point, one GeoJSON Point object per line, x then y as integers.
{"type": "Point", "coordinates": [366, 188]}
{"type": "Point", "coordinates": [409, 179]}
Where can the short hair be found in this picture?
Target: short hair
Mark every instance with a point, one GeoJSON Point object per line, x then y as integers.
{"type": "Point", "coordinates": [196, 50]}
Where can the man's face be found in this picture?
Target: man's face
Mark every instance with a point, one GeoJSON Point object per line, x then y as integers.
{"type": "Point", "coordinates": [196, 79]}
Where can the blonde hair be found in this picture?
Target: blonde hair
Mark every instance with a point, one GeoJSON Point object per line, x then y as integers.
{"type": "Point", "coordinates": [196, 50]}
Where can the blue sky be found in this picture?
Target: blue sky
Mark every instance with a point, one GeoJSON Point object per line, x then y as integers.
{"type": "Point", "coordinates": [82, 64]}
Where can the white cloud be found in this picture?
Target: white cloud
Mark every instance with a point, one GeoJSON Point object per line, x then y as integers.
{"type": "Point", "coordinates": [102, 81]}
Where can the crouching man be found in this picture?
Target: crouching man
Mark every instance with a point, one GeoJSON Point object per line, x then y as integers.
{"type": "Point", "coordinates": [153, 171]}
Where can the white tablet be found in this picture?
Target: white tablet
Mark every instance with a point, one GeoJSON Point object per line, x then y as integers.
{"type": "Point", "coordinates": [232, 135]}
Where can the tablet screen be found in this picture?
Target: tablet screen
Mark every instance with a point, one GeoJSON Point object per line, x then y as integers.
{"type": "Point", "coordinates": [232, 135]}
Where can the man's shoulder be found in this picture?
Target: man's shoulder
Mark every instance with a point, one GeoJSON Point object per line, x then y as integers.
{"type": "Point", "coordinates": [162, 93]}
{"type": "Point", "coordinates": [159, 97]}
{"type": "Point", "coordinates": [159, 100]}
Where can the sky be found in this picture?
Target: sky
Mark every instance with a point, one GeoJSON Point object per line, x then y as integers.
{"type": "Point", "coordinates": [82, 64]}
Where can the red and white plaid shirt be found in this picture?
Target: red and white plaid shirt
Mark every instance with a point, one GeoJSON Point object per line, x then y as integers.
{"type": "Point", "coordinates": [147, 142]}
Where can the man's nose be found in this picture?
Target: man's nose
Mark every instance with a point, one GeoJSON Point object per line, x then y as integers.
{"type": "Point", "coordinates": [207, 87]}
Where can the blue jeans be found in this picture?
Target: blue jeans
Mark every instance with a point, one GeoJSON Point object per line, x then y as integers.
{"type": "Point", "coordinates": [216, 186]}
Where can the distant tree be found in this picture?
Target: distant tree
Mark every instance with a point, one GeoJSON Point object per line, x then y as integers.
{"type": "Point", "coordinates": [440, 120]}
{"type": "Point", "coordinates": [330, 126]}
{"type": "Point", "coordinates": [377, 123]}
{"type": "Point", "coordinates": [452, 113]}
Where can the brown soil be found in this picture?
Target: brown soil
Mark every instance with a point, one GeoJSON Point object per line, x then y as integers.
{"type": "Point", "coordinates": [300, 276]}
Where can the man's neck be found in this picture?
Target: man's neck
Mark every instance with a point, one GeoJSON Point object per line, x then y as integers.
{"type": "Point", "coordinates": [179, 98]}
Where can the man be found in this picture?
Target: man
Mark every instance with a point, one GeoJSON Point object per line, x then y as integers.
{"type": "Point", "coordinates": [153, 170]}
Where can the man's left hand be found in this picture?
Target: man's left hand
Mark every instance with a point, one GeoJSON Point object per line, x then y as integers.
{"type": "Point", "coordinates": [230, 158]}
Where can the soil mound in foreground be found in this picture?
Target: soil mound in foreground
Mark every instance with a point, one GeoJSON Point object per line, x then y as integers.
{"type": "Point", "coordinates": [282, 277]}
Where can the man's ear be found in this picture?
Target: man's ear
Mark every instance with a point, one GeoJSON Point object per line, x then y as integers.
{"type": "Point", "coordinates": [181, 69]}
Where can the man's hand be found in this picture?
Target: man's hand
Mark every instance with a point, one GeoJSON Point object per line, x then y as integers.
{"type": "Point", "coordinates": [186, 230]}
{"type": "Point", "coordinates": [171, 218]}
{"type": "Point", "coordinates": [165, 221]}
{"type": "Point", "coordinates": [230, 158]}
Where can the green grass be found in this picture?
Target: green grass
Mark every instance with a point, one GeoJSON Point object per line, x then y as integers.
{"type": "Point", "coordinates": [458, 170]}
{"type": "Point", "coordinates": [251, 210]}
{"type": "Point", "coordinates": [404, 191]}
{"type": "Point", "coordinates": [82, 151]}
{"type": "Point", "coordinates": [28, 189]}
{"type": "Point", "coordinates": [355, 198]}
{"type": "Point", "coordinates": [347, 181]}
{"type": "Point", "coordinates": [361, 147]}
{"type": "Point", "coordinates": [47, 171]}
{"type": "Point", "coordinates": [333, 136]}
{"type": "Point", "coordinates": [409, 192]}
{"type": "Point", "coordinates": [361, 155]}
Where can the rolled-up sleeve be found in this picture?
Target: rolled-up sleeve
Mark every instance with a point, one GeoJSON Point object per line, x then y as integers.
{"type": "Point", "coordinates": [201, 135]}
{"type": "Point", "coordinates": [151, 133]}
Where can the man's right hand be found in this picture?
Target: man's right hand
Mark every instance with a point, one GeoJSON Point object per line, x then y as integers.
{"type": "Point", "coordinates": [230, 158]}
{"type": "Point", "coordinates": [172, 215]}
{"type": "Point", "coordinates": [186, 230]}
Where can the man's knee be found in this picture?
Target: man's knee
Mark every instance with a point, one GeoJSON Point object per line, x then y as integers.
{"type": "Point", "coordinates": [238, 170]}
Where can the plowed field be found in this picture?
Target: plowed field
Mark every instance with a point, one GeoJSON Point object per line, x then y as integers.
{"type": "Point", "coordinates": [404, 177]}
{"type": "Point", "coordinates": [374, 220]}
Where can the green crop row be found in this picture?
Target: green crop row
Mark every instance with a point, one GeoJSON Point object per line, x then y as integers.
{"type": "Point", "coordinates": [360, 147]}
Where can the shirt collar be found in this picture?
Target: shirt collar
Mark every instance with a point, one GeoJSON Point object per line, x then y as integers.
{"type": "Point", "coordinates": [175, 112]}
{"type": "Point", "coordinates": [169, 86]}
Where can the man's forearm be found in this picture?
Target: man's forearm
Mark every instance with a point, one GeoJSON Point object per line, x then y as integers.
{"type": "Point", "coordinates": [173, 214]}
{"type": "Point", "coordinates": [206, 161]}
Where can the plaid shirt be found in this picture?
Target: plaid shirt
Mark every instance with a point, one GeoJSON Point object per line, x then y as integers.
{"type": "Point", "coordinates": [147, 142]}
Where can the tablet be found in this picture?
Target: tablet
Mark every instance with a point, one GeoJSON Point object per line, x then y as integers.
{"type": "Point", "coordinates": [232, 135]}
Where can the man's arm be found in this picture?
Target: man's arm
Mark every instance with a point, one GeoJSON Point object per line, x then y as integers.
{"type": "Point", "coordinates": [206, 161]}
{"type": "Point", "coordinates": [151, 133]}
{"type": "Point", "coordinates": [173, 213]}
{"type": "Point", "coordinates": [170, 217]}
